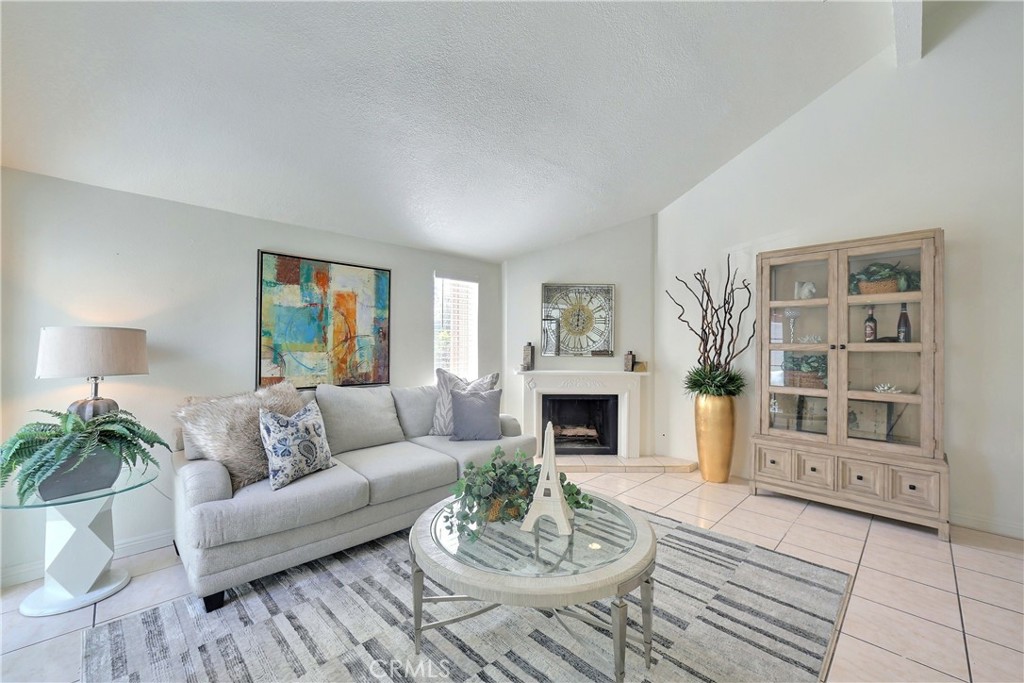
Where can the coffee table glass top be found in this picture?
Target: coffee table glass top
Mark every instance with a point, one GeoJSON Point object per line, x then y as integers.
{"type": "Point", "coordinates": [128, 480]}
{"type": "Point", "coordinates": [601, 536]}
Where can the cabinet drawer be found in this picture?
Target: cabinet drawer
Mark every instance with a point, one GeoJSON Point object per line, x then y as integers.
{"type": "Point", "coordinates": [773, 462]}
{"type": "Point", "coordinates": [862, 478]}
{"type": "Point", "coordinates": [916, 488]}
{"type": "Point", "coordinates": [813, 469]}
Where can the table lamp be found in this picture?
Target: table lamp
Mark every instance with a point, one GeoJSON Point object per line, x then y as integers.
{"type": "Point", "coordinates": [92, 353]}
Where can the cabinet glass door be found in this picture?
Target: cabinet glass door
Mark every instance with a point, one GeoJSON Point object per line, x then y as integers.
{"type": "Point", "coordinates": [886, 342]}
{"type": "Point", "coordinates": [794, 361]}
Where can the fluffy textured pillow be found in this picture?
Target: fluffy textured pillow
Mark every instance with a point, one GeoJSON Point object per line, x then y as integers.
{"type": "Point", "coordinates": [475, 415]}
{"type": "Point", "coordinates": [296, 445]}
{"type": "Point", "coordinates": [446, 384]}
{"type": "Point", "coordinates": [227, 429]}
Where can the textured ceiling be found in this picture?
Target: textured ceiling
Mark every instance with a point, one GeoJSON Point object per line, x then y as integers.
{"type": "Point", "coordinates": [486, 129]}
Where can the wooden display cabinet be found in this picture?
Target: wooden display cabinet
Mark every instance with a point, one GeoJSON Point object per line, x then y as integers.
{"type": "Point", "coordinates": [846, 420]}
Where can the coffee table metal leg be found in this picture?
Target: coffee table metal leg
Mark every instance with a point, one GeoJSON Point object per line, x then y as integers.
{"type": "Point", "coordinates": [619, 637]}
{"type": "Point", "coordinates": [417, 604]}
{"type": "Point", "coordinates": [647, 604]}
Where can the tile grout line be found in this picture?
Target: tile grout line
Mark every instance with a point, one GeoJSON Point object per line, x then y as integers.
{"type": "Point", "coordinates": [853, 583]}
{"type": "Point", "coordinates": [909, 659]}
{"type": "Point", "coordinates": [963, 623]}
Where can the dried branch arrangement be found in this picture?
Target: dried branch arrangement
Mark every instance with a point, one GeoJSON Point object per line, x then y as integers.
{"type": "Point", "coordinates": [718, 331]}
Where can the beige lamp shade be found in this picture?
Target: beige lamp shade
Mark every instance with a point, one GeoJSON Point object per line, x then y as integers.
{"type": "Point", "coordinates": [91, 352]}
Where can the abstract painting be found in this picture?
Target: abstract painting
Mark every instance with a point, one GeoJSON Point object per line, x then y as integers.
{"type": "Point", "coordinates": [322, 322]}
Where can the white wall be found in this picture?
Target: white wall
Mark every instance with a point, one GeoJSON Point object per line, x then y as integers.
{"type": "Point", "coordinates": [622, 256]}
{"type": "Point", "coordinates": [77, 254]}
{"type": "Point", "coordinates": [935, 144]}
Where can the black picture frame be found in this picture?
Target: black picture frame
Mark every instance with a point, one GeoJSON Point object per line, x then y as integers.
{"type": "Point", "coordinates": [321, 322]}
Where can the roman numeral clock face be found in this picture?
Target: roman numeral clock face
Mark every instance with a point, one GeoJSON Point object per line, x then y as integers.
{"type": "Point", "coordinates": [581, 316]}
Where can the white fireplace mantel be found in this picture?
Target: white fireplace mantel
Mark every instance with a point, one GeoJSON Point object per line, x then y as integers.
{"type": "Point", "coordinates": [625, 385]}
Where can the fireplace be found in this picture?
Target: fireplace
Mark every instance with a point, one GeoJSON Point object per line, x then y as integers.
{"type": "Point", "coordinates": [584, 424]}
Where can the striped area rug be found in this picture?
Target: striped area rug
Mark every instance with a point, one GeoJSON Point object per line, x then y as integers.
{"type": "Point", "coordinates": [724, 610]}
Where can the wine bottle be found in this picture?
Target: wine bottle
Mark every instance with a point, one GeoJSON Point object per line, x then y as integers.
{"type": "Point", "coordinates": [903, 325]}
{"type": "Point", "coordinates": [870, 325]}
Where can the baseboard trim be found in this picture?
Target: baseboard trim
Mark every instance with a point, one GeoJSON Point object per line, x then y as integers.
{"type": "Point", "coordinates": [1001, 527]}
{"type": "Point", "coordinates": [29, 571]}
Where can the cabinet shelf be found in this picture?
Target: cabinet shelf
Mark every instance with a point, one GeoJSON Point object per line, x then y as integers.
{"type": "Point", "coordinates": [887, 298]}
{"type": "Point", "coordinates": [884, 452]}
{"type": "Point", "coordinates": [800, 391]}
{"type": "Point", "coordinates": [885, 347]}
{"type": "Point", "coordinates": [798, 303]}
{"type": "Point", "coordinates": [881, 397]}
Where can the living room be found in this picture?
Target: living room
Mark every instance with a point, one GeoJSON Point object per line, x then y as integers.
{"type": "Point", "coordinates": [107, 221]}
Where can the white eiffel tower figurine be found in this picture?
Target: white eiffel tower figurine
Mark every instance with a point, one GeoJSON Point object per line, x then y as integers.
{"type": "Point", "coordinates": [549, 499]}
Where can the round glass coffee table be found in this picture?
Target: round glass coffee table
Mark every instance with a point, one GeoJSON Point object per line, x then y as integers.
{"type": "Point", "coordinates": [610, 553]}
{"type": "Point", "coordinates": [79, 547]}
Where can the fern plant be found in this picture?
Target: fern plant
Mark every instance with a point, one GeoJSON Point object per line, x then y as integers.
{"type": "Point", "coordinates": [38, 449]}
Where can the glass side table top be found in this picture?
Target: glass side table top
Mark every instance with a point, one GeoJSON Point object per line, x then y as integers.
{"type": "Point", "coordinates": [128, 480]}
{"type": "Point", "coordinates": [601, 536]}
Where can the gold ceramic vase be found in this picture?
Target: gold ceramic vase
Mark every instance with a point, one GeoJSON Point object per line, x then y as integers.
{"type": "Point", "coordinates": [715, 421]}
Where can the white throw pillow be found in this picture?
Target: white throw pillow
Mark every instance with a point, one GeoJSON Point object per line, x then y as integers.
{"type": "Point", "coordinates": [446, 382]}
{"type": "Point", "coordinates": [296, 445]}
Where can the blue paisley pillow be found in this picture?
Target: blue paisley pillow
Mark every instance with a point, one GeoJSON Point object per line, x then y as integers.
{"type": "Point", "coordinates": [296, 445]}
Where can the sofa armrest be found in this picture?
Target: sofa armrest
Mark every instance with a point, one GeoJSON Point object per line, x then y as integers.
{"type": "Point", "coordinates": [200, 481]}
{"type": "Point", "coordinates": [510, 425]}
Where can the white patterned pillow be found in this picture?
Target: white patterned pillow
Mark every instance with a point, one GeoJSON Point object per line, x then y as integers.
{"type": "Point", "coordinates": [296, 445]}
{"type": "Point", "coordinates": [446, 382]}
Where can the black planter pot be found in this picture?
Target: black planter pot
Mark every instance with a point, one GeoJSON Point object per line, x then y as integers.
{"type": "Point", "coordinates": [98, 471]}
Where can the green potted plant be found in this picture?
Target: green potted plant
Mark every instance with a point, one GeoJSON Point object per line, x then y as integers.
{"type": "Point", "coordinates": [500, 490]}
{"type": "Point", "coordinates": [808, 371]}
{"type": "Point", "coordinates": [879, 278]}
{"type": "Point", "coordinates": [75, 455]}
{"type": "Point", "coordinates": [713, 380]}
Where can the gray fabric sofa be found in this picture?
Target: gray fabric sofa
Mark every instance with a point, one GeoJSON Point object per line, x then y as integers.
{"type": "Point", "coordinates": [225, 540]}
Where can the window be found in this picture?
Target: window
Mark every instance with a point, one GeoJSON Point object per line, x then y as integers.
{"type": "Point", "coordinates": [455, 326]}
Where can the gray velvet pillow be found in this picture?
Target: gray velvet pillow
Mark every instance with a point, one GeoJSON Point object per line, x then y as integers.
{"type": "Point", "coordinates": [446, 384]}
{"type": "Point", "coordinates": [227, 429]}
{"type": "Point", "coordinates": [475, 415]}
{"type": "Point", "coordinates": [415, 406]}
{"type": "Point", "coordinates": [358, 417]}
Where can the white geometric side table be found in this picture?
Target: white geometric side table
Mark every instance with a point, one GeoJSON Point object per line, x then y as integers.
{"type": "Point", "coordinates": [79, 548]}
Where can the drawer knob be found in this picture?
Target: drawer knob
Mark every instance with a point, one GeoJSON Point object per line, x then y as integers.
{"type": "Point", "coordinates": [814, 469]}
{"type": "Point", "coordinates": [860, 477]}
{"type": "Point", "coordinates": [771, 462]}
{"type": "Point", "coordinates": [912, 487]}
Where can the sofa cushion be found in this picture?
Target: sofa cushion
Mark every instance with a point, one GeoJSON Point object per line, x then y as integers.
{"type": "Point", "coordinates": [415, 406]}
{"type": "Point", "coordinates": [257, 510]}
{"type": "Point", "coordinates": [358, 417]}
{"type": "Point", "coordinates": [446, 383]}
{"type": "Point", "coordinates": [476, 452]}
{"type": "Point", "coordinates": [401, 469]}
{"type": "Point", "coordinates": [475, 415]}
{"type": "Point", "coordinates": [296, 445]}
{"type": "Point", "coordinates": [227, 429]}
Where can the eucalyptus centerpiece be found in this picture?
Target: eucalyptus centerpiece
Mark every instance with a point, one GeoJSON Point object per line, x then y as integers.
{"type": "Point", "coordinates": [500, 490]}
{"type": "Point", "coordinates": [713, 380]}
{"type": "Point", "coordinates": [75, 455]}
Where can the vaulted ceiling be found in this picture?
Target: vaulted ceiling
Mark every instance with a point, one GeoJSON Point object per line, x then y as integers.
{"type": "Point", "coordinates": [485, 129]}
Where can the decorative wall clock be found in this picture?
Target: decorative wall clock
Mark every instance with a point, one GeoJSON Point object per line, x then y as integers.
{"type": "Point", "coordinates": [584, 319]}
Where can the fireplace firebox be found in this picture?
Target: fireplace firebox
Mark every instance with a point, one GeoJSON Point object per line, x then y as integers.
{"type": "Point", "coordinates": [584, 424]}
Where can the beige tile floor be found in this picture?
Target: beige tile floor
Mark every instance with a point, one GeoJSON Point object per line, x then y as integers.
{"type": "Point", "coordinates": [921, 609]}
